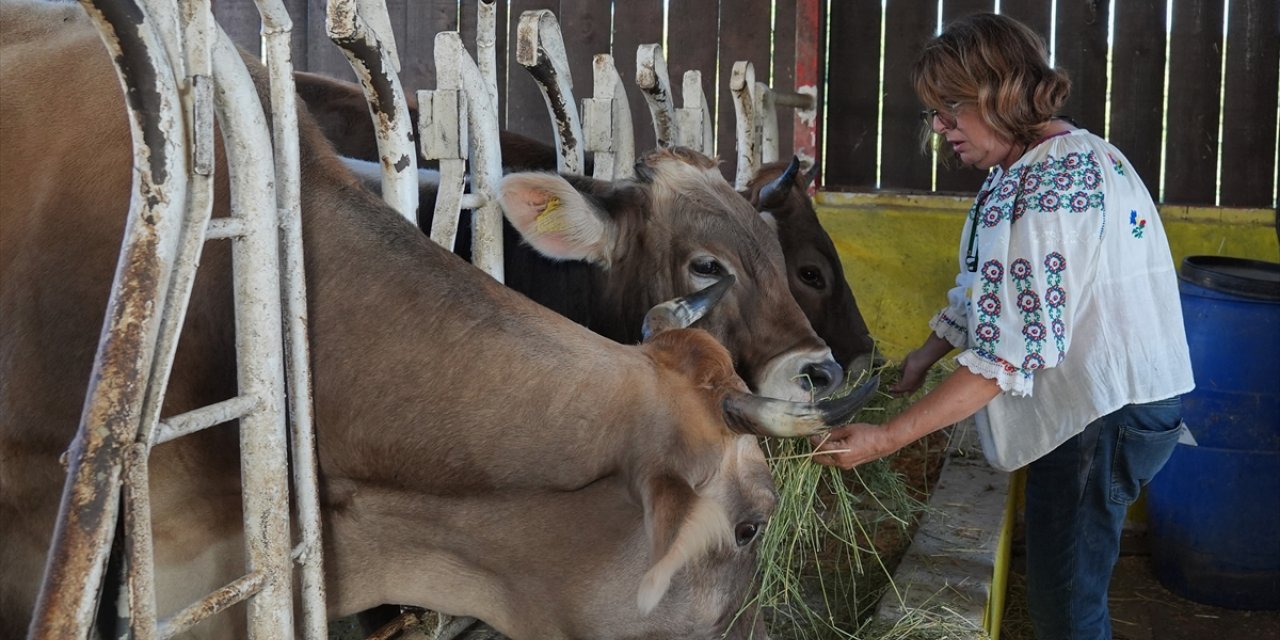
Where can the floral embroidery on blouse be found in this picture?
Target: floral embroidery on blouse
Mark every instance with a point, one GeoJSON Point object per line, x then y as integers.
{"type": "Point", "coordinates": [1028, 302]}
{"type": "Point", "coordinates": [1070, 183]}
{"type": "Point", "coordinates": [1055, 299]}
{"type": "Point", "coordinates": [1119, 166]}
{"type": "Point", "coordinates": [1137, 225]}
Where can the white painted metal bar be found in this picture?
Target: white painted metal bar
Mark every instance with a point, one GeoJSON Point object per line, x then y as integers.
{"type": "Point", "coordinates": [651, 76]}
{"type": "Point", "coordinates": [486, 46]}
{"type": "Point", "coordinates": [767, 123]}
{"type": "Point", "coordinates": [442, 133]}
{"type": "Point", "coordinates": [476, 137]}
{"type": "Point", "coordinates": [203, 418]}
{"type": "Point", "coordinates": [693, 120]}
{"type": "Point", "coordinates": [225, 228]}
{"type": "Point", "coordinates": [742, 85]}
{"type": "Point", "coordinates": [276, 46]}
{"type": "Point", "coordinates": [606, 123]}
{"type": "Point", "coordinates": [264, 459]}
{"type": "Point", "coordinates": [233, 593]}
{"type": "Point", "coordinates": [540, 50]}
{"type": "Point", "coordinates": [113, 406]}
{"type": "Point", "coordinates": [372, 64]}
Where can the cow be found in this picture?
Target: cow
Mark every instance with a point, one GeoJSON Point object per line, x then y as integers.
{"type": "Point", "coordinates": [525, 471]}
{"type": "Point", "coordinates": [813, 269]}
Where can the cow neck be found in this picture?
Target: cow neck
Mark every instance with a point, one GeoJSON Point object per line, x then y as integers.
{"type": "Point", "coordinates": [423, 331]}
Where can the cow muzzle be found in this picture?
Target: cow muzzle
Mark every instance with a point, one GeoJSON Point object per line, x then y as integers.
{"type": "Point", "coordinates": [757, 415]}
{"type": "Point", "coordinates": [800, 376]}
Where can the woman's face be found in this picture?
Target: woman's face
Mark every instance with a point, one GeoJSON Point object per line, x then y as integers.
{"type": "Point", "coordinates": [974, 142]}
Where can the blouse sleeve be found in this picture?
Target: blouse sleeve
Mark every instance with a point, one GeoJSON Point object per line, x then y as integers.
{"type": "Point", "coordinates": [951, 323]}
{"type": "Point", "coordinates": [1038, 238]}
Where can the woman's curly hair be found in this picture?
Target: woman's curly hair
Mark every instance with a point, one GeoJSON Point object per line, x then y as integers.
{"type": "Point", "coordinates": [997, 65]}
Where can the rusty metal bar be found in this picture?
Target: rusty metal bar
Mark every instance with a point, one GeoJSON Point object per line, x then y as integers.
{"type": "Point", "coordinates": [139, 587]}
{"type": "Point", "coordinates": [205, 417]}
{"type": "Point", "coordinates": [113, 407]}
{"type": "Point", "coordinates": [540, 50]}
{"type": "Point", "coordinates": [233, 593]}
{"type": "Point", "coordinates": [694, 128]}
{"type": "Point", "coordinates": [367, 52]}
{"type": "Point", "coordinates": [606, 123]}
{"type": "Point", "coordinates": [651, 76]}
{"type": "Point", "coordinates": [792, 99]}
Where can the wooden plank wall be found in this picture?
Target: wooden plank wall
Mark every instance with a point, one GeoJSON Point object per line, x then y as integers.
{"type": "Point", "coordinates": [870, 130]}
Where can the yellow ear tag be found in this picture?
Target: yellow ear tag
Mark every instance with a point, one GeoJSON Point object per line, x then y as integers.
{"type": "Point", "coordinates": [548, 223]}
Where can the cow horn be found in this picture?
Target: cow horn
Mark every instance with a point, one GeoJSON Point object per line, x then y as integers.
{"type": "Point", "coordinates": [772, 195]}
{"type": "Point", "coordinates": [756, 415]}
{"type": "Point", "coordinates": [684, 311]}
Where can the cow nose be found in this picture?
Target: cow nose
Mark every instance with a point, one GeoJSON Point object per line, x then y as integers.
{"type": "Point", "coordinates": [822, 377]}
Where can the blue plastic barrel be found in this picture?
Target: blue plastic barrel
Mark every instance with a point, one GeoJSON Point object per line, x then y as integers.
{"type": "Point", "coordinates": [1214, 510]}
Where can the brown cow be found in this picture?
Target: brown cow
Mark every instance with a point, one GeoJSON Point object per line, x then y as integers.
{"type": "Point", "coordinates": [814, 274]}
{"type": "Point", "coordinates": [537, 476]}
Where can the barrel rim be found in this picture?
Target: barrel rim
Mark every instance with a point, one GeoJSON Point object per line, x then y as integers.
{"type": "Point", "coordinates": [1223, 274]}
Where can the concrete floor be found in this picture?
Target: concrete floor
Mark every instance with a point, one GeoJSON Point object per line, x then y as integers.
{"type": "Point", "coordinates": [1142, 609]}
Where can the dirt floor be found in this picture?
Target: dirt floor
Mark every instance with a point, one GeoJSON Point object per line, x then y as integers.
{"type": "Point", "coordinates": [1142, 609]}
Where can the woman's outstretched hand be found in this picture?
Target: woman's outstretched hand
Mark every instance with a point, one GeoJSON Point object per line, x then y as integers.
{"type": "Point", "coordinates": [854, 444]}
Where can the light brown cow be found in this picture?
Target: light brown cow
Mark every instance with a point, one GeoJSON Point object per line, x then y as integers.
{"type": "Point", "coordinates": [658, 244]}
{"type": "Point", "coordinates": [535, 475]}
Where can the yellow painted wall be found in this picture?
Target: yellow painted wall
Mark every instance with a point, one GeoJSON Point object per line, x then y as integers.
{"type": "Point", "coordinates": [899, 252]}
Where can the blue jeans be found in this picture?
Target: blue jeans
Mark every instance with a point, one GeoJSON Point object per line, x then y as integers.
{"type": "Point", "coordinates": [1077, 497]}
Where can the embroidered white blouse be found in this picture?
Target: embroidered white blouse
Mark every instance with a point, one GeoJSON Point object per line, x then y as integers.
{"type": "Point", "coordinates": [1074, 296]}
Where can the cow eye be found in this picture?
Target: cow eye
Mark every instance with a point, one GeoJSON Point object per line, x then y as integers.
{"type": "Point", "coordinates": [745, 532]}
{"type": "Point", "coordinates": [812, 276]}
{"type": "Point", "coordinates": [708, 268]}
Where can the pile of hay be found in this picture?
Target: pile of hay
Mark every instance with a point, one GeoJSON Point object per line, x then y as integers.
{"type": "Point", "coordinates": [836, 537]}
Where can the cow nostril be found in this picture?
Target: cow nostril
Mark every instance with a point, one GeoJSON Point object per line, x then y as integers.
{"type": "Point", "coordinates": [820, 377]}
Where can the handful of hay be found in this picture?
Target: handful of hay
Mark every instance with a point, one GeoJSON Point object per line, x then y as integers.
{"type": "Point", "coordinates": [832, 545]}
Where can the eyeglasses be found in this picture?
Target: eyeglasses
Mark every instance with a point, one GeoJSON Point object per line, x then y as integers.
{"type": "Point", "coordinates": [946, 116]}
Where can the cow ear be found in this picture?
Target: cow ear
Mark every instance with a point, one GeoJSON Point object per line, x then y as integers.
{"type": "Point", "coordinates": [682, 526]}
{"type": "Point", "coordinates": [555, 219]}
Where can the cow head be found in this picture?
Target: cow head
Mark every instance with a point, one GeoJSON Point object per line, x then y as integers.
{"type": "Point", "coordinates": [814, 271]}
{"type": "Point", "coordinates": [675, 229]}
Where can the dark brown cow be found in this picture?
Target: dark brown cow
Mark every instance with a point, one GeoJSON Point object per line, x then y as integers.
{"type": "Point", "coordinates": [814, 273]}
{"type": "Point", "coordinates": [533, 474]}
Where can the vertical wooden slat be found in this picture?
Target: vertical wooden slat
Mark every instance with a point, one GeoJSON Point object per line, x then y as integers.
{"type": "Point", "coordinates": [1249, 126]}
{"type": "Point", "coordinates": [784, 70]}
{"type": "Point", "coordinates": [240, 19]}
{"type": "Point", "coordinates": [742, 22]}
{"type": "Point", "coordinates": [902, 166]}
{"type": "Point", "coordinates": [423, 20]}
{"type": "Point", "coordinates": [853, 79]}
{"type": "Point", "coordinates": [526, 109]}
{"type": "Point", "coordinates": [1036, 14]}
{"type": "Point", "coordinates": [1137, 86]}
{"type": "Point", "coordinates": [952, 176]}
{"type": "Point", "coordinates": [1082, 36]}
{"type": "Point", "coordinates": [637, 22]}
{"type": "Point", "coordinates": [691, 45]}
{"type": "Point", "coordinates": [1195, 70]}
{"type": "Point", "coordinates": [298, 38]}
{"type": "Point", "coordinates": [586, 32]}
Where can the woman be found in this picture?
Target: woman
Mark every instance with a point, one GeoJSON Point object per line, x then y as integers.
{"type": "Point", "coordinates": [1066, 312]}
